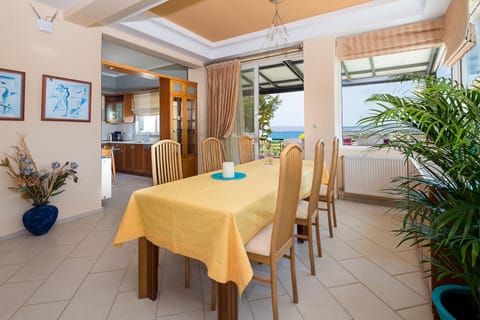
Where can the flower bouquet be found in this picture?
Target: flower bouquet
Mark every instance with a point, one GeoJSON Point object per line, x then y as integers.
{"type": "Point", "coordinates": [34, 184]}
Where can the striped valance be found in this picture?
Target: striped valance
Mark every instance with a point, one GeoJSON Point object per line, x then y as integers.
{"type": "Point", "coordinates": [415, 36]}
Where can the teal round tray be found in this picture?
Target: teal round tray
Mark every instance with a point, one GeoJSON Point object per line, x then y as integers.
{"type": "Point", "coordinates": [237, 176]}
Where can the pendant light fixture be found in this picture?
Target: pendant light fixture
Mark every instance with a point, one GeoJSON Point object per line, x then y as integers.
{"type": "Point", "coordinates": [277, 34]}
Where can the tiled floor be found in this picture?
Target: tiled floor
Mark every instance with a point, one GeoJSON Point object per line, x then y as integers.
{"type": "Point", "coordinates": [74, 272]}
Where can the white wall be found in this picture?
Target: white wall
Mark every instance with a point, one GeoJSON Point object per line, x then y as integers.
{"type": "Point", "coordinates": [72, 52]}
{"type": "Point", "coordinates": [321, 93]}
{"type": "Point", "coordinates": [199, 75]}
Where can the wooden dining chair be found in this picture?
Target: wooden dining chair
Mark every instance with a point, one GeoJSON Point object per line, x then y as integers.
{"type": "Point", "coordinates": [327, 192]}
{"type": "Point", "coordinates": [307, 210]}
{"type": "Point", "coordinates": [213, 154]}
{"type": "Point", "coordinates": [276, 239]}
{"type": "Point", "coordinates": [108, 152]}
{"type": "Point", "coordinates": [245, 148]}
{"type": "Point", "coordinates": [166, 161]}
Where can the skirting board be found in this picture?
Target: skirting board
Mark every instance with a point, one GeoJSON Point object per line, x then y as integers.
{"type": "Point", "coordinates": [59, 221]}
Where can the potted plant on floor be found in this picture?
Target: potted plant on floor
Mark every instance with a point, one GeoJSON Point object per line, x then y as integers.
{"type": "Point", "coordinates": [37, 186]}
{"type": "Point", "coordinates": [438, 126]}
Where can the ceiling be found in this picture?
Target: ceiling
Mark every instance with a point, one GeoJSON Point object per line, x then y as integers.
{"type": "Point", "coordinates": [195, 32]}
{"type": "Point", "coordinates": [237, 18]}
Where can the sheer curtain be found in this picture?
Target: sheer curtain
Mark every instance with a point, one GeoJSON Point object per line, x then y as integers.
{"type": "Point", "coordinates": [231, 143]}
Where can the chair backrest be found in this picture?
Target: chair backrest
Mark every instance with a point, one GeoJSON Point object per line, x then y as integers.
{"type": "Point", "coordinates": [317, 177]}
{"type": "Point", "coordinates": [287, 197]}
{"type": "Point", "coordinates": [213, 154]}
{"type": "Point", "coordinates": [333, 168]}
{"type": "Point", "coordinates": [245, 148]}
{"type": "Point", "coordinates": [106, 152]}
{"type": "Point", "coordinates": [166, 161]}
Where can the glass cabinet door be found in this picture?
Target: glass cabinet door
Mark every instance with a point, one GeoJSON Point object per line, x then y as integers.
{"type": "Point", "coordinates": [191, 126]}
{"type": "Point", "coordinates": [177, 119]}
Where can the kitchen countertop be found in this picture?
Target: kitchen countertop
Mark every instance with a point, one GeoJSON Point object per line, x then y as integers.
{"type": "Point", "coordinates": [129, 142]}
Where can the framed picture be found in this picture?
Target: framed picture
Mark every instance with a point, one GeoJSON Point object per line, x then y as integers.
{"type": "Point", "coordinates": [12, 94]}
{"type": "Point", "coordinates": [66, 99]}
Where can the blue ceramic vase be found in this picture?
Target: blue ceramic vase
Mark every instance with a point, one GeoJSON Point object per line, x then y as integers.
{"type": "Point", "coordinates": [451, 300]}
{"type": "Point", "coordinates": [39, 219]}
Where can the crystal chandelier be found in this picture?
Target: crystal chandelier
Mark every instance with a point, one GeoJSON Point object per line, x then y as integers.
{"type": "Point", "coordinates": [277, 34]}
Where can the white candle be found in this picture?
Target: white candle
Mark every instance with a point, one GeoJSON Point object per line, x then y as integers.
{"type": "Point", "coordinates": [228, 171]}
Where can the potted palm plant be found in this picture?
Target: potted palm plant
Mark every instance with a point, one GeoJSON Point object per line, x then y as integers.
{"type": "Point", "coordinates": [438, 126]}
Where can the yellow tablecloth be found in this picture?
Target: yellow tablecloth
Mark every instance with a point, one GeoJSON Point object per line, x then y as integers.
{"type": "Point", "coordinates": [207, 219]}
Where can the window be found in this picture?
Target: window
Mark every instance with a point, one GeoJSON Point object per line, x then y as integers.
{"type": "Point", "coordinates": [363, 77]}
{"type": "Point", "coordinates": [471, 63]}
{"type": "Point", "coordinates": [147, 125]}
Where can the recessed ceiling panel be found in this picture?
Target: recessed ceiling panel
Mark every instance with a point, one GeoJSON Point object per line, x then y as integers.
{"type": "Point", "coordinates": [218, 20]}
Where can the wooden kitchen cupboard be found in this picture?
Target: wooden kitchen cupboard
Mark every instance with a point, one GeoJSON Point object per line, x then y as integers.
{"type": "Point", "coordinates": [178, 119]}
{"type": "Point", "coordinates": [119, 108]}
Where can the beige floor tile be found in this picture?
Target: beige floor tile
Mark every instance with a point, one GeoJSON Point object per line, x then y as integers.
{"type": "Point", "coordinates": [316, 302]}
{"type": "Point", "coordinates": [93, 244]}
{"type": "Point", "coordinates": [44, 311]}
{"type": "Point", "coordinates": [42, 265]}
{"type": "Point", "coordinates": [130, 281]}
{"type": "Point", "coordinates": [386, 239]}
{"type": "Point", "coordinates": [382, 257]}
{"type": "Point", "coordinates": [393, 292]}
{"type": "Point", "coordinates": [7, 271]}
{"type": "Point", "coordinates": [362, 304]}
{"type": "Point", "coordinates": [114, 258]}
{"type": "Point", "coordinates": [344, 232]}
{"type": "Point", "coordinates": [172, 291]}
{"type": "Point", "coordinates": [339, 249]}
{"type": "Point", "coordinates": [94, 298]}
{"type": "Point", "coordinates": [20, 256]}
{"type": "Point", "coordinates": [64, 282]}
{"type": "Point", "coordinates": [417, 313]}
{"type": "Point", "coordinates": [69, 233]}
{"type": "Point", "coordinates": [417, 282]}
{"type": "Point", "coordinates": [190, 315]}
{"type": "Point", "coordinates": [262, 309]}
{"type": "Point", "coordinates": [410, 256]}
{"type": "Point", "coordinates": [127, 306]}
{"type": "Point", "coordinates": [331, 273]}
{"type": "Point", "coordinates": [14, 295]}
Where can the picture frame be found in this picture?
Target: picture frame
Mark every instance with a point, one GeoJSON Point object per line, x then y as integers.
{"type": "Point", "coordinates": [12, 94]}
{"type": "Point", "coordinates": [66, 99]}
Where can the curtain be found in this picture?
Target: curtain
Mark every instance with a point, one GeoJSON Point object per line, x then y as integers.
{"type": "Point", "coordinates": [231, 144]}
{"type": "Point", "coordinates": [223, 81]}
{"type": "Point", "coordinates": [415, 36]}
{"type": "Point", "coordinates": [460, 35]}
{"type": "Point", "coordinates": [146, 104]}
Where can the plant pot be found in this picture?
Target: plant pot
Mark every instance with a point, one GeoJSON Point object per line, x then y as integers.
{"type": "Point", "coordinates": [454, 302]}
{"type": "Point", "coordinates": [39, 219]}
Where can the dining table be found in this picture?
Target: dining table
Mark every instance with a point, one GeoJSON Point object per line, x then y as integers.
{"type": "Point", "coordinates": [208, 218]}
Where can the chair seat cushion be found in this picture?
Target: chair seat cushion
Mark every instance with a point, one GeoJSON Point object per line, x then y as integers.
{"type": "Point", "coordinates": [302, 210]}
{"type": "Point", "coordinates": [323, 189]}
{"type": "Point", "coordinates": [260, 243]}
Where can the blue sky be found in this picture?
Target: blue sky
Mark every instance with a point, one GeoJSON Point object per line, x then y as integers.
{"type": "Point", "coordinates": [290, 112]}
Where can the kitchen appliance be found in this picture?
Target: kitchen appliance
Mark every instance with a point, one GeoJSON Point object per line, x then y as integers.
{"type": "Point", "coordinates": [117, 136]}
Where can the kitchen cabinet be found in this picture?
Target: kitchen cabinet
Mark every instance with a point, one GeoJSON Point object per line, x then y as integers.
{"type": "Point", "coordinates": [133, 158]}
{"type": "Point", "coordinates": [119, 108]}
{"type": "Point", "coordinates": [113, 108]}
{"type": "Point", "coordinates": [128, 116]}
{"type": "Point", "coordinates": [178, 119]}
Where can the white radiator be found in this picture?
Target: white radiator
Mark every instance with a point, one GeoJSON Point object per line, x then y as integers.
{"type": "Point", "coordinates": [368, 175]}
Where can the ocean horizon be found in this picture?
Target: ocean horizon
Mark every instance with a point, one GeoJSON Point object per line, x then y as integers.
{"type": "Point", "coordinates": [280, 135]}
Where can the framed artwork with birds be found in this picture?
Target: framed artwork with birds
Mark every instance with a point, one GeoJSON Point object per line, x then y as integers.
{"type": "Point", "coordinates": [66, 99]}
{"type": "Point", "coordinates": [12, 94]}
